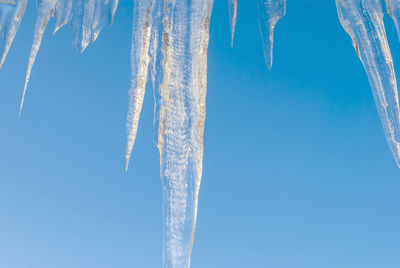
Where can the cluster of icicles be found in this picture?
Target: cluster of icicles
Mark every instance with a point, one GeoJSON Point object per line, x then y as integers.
{"type": "Point", "coordinates": [170, 40]}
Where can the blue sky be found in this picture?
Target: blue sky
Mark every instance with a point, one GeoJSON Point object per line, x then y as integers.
{"type": "Point", "coordinates": [297, 172]}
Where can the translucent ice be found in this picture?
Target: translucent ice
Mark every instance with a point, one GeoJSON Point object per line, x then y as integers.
{"type": "Point", "coordinates": [180, 62]}
{"type": "Point", "coordinates": [140, 58]}
{"type": "Point", "coordinates": [232, 17]}
{"type": "Point", "coordinates": [363, 21]}
{"type": "Point", "coordinates": [181, 122]}
{"type": "Point", "coordinates": [393, 9]}
{"type": "Point", "coordinates": [169, 45]}
{"type": "Point", "coordinates": [269, 12]}
{"type": "Point", "coordinates": [45, 11]}
{"type": "Point", "coordinates": [11, 13]}
{"type": "Point", "coordinates": [87, 18]}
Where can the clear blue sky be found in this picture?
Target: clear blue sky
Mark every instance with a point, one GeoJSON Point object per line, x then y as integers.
{"type": "Point", "coordinates": [297, 172]}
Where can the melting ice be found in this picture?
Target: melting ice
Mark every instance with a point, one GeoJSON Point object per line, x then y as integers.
{"type": "Point", "coordinates": [169, 46]}
{"type": "Point", "coordinates": [11, 13]}
{"type": "Point", "coordinates": [363, 21]}
{"type": "Point", "coordinates": [181, 58]}
{"type": "Point", "coordinates": [87, 18]}
{"type": "Point", "coordinates": [232, 17]}
{"type": "Point", "coordinates": [269, 12]}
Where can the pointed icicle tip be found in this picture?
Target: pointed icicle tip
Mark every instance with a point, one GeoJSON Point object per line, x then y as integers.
{"type": "Point", "coordinates": [45, 12]}
{"type": "Point", "coordinates": [269, 12]}
{"type": "Point", "coordinates": [81, 46]}
{"type": "Point", "coordinates": [11, 14]}
{"type": "Point", "coordinates": [393, 9]}
{"type": "Point", "coordinates": [141, 37]}
{"type": "Point", "coordinates": [232, 17]}
{"type": "Point", "coordinates": [126, 163]}
{"type": "Point", "coordinates": [364, 24]}
{"type": "Point", "coordinates": [128, 153]}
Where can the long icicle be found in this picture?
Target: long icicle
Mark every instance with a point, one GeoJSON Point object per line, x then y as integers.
{"type": "Point", "coordinates": [269, 12]}
{"type": "Point", "coordinates": [45, 12]}
{"type": "Point", "coordinates": [181, 122]}
{"type": "Point", "coordinates": [141, 34]}
{"type": "Point", "coordinates": [11, 13]}
{"type": "Point", "coordinates": [363, 21]}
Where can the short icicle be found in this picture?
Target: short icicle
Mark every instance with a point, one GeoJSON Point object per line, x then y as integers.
{"type": "Point", "coordinates": [269, 12]}
{"type": "Point", "coordinates": [232, 17]}
{"type": "Point", "coordinates": [86, 17]}
{"type": "Point", "coordinates": [393, 9]}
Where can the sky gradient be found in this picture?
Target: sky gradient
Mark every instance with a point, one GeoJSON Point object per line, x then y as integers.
{"type": "Point", "coordinates": [297, 171]}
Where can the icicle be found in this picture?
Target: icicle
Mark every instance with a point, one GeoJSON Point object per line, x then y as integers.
{"type": "Point", "coordinates": [181, 122]}
{"type": "Point", "coordinates": [62, 13]}
{"type": "Point", "coordinates": [141, 33]}
{"type": "Point", "coordinates": [393, 9]}
{"type": "Point", "coordinates": [9, 2]}
{"type": "Point", "coordinates": [156, 66]}
{"type": "Point", "coordinates": [87, 18]}
{"type": "Point", "coordinates": [11, 13]}
{"type": "Point", "coordinates": [179, 75]}
{"type": "Point", "coordinates": [363, 21]}
{"type": "Point", "coordinates": [269, 12]}
{"type": "Point", "coordinates": [45, 12]}
{"type": "Point", "coordinates": [232, 17]}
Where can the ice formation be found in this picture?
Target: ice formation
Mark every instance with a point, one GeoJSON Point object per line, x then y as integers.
{"type": "Point", "coordinates": [393, 9]}
{"type": "Point", "coordinates": [269, 12]}
{"type": "Point", "coordinates": [232, 17]}
{"type": "Point", "coordinates": [169, 46]}
{"type": "Point", "coordinates": [363, 21]}
{"type": "Point", "coordinates": [11, 13]}
{"type": "Point", "coordinates": [45, 11]}
{"type": "Point", "coordinates": [140, 59]}
{"type": "Point", "coordinates": [87, 18]}
{"type": "Point", "coordinates": [180, 107]}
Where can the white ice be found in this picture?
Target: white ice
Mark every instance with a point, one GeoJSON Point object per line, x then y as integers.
{"type": "Point", "coordinates": [140, 59]}
{"type": "Point", "coordinates": [180, 91]}
{"type": "Point", "coordinates": [11, 13]}
{"type": "Point", "coordinates": [86, 17]}
{"type": "Point", "coordinates": [232, 17]}
{"type": "Point", "coordinates": [363, 21]}
{"type": "Point", "coordinates": [169, 46]}
{"type": "Point", "coordinates": [269, 12]}
{"type": "Point", "coordinates": [393, 9]}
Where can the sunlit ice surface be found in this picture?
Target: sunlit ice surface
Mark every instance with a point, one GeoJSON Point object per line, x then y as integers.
{"type": "Point", "coordinates": [169, 46]}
